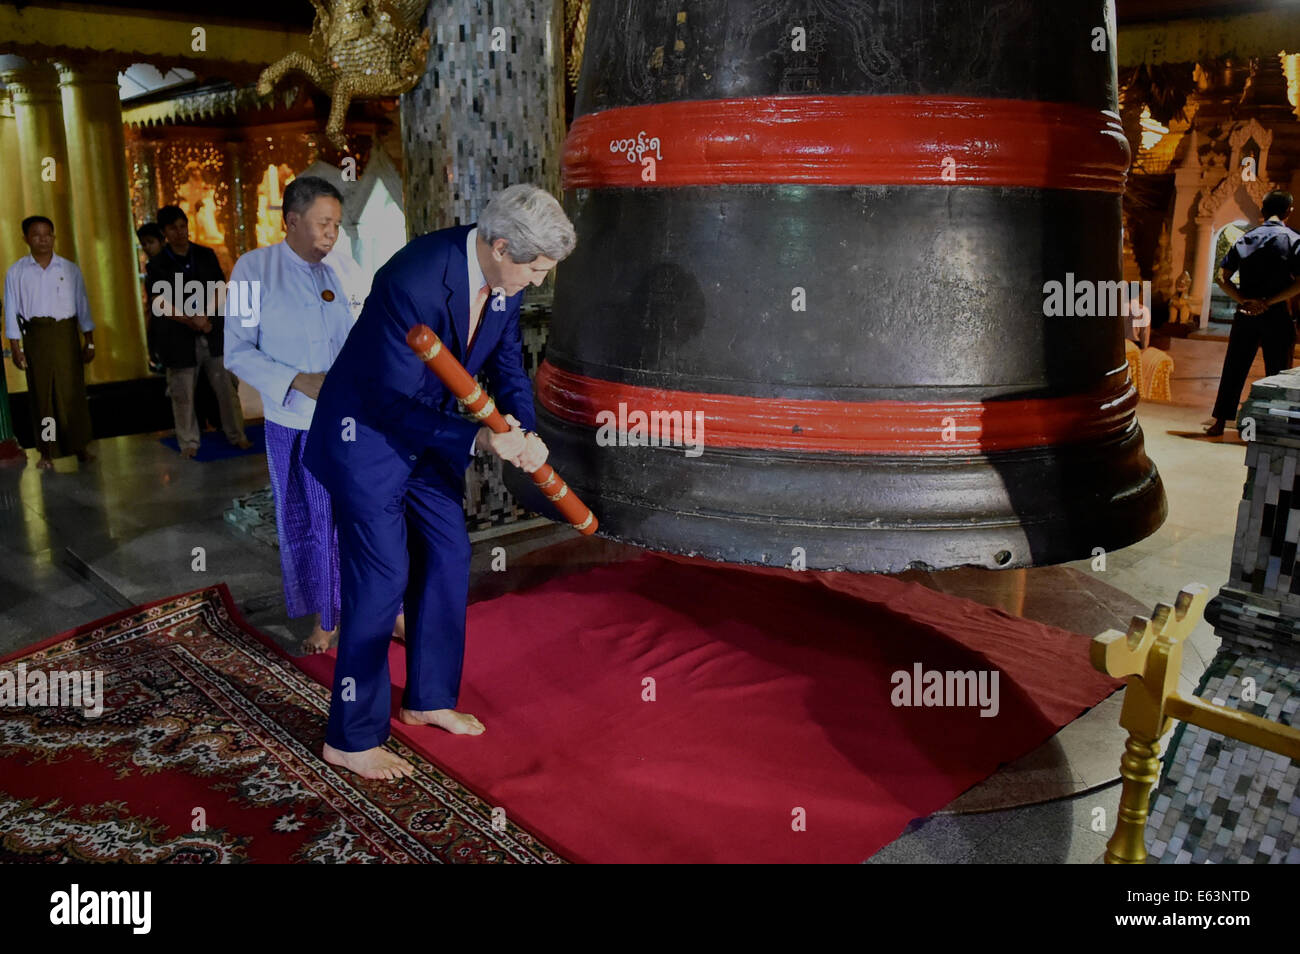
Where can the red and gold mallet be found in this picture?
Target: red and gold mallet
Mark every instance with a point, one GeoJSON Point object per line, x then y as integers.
{"type": "Point", "coordinates": [483, 409]}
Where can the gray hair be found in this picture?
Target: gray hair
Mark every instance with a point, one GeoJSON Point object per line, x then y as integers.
{"type": "Point", "coordinates": [531, 221]}
{"type": "Point", "coordinates": [305, 190]}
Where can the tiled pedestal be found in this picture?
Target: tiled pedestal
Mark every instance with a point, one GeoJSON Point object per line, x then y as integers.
{"type": "Point", "coordinates": [1220, 800]}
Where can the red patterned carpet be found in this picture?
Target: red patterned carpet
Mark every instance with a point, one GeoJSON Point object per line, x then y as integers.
{"type": "Point", "coordinates": [207, 751]}
{"type": "Point", "coordinates": [650, 710]}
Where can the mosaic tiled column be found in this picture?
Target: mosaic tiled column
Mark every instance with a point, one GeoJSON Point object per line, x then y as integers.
{"type": "Point", "coordinates": [1258, 610]}
{"type": "Point", "coordinates": [481, 118]}
{"type": "Point", "coordinates": [488, 503]}
{"type": "Point", "coordinates": [487, 114]}
{"type": "Point", "coordinates": [1221, 800]}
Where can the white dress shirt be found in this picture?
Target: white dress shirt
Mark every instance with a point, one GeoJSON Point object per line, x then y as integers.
{"type": "Point", "coordinates": [295, 328]}
{"type": "Point", "coordinates": [476, 283]}
{"type": "Point", "coordinates": [476, 279]}
{"type": "Point", "coordinates": [356, 283]}
{"type": "Point", "coordinates": [55, 291]}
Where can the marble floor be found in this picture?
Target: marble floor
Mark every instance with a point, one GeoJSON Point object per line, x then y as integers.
{"type": "Point", "coordinates": [139, 524]}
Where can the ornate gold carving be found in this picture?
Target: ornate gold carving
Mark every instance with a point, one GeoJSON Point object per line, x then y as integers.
{"type": "Point", "coordinates": [1256, 187]}
{"type": "Point", "coordinates": [359, 49]}
{"type": "Point", "coordinates": [575, 36]}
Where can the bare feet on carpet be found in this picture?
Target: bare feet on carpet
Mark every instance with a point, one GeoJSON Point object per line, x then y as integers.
{"type": "Point", "coordinates": [320, 640]}
{"type": "Point", "coordinates": [457, 723]}
{"type": "Point", "coordinates": [372, 763]}
{"type": "Point", "coordinates": [45, 463]}
{"type": "Point", "coordinates": [187, 453]}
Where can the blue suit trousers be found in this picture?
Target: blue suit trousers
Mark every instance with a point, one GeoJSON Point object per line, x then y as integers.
{"type": "Point", "coordinates": [412, 547]}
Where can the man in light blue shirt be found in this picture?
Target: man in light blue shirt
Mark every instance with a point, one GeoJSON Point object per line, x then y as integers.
{"type": "Point", "coordinates": [288, 315]}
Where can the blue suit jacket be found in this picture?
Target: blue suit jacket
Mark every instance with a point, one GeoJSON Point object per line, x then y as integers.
{"type": "Point", "coordinates": [407, 423]}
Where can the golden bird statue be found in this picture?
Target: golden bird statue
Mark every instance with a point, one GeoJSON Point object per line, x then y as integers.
{"type": "Point", "coordinates": [359, 49]}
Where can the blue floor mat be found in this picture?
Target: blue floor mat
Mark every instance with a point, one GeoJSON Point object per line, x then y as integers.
{"type": "Point", "coordinates": [214, 446]}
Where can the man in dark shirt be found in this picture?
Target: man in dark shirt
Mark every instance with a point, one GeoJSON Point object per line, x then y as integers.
{"type": "Point", "coordinates": [189, 338]}
{"type": "Point", "coordinates": [152, 241]}
{"type": "Point", "coordinates": [1268, 258]}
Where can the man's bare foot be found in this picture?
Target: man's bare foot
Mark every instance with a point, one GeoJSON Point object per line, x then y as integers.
{"type": "Point", "coordinates": [45, 463]}
{"type": "Point", "coordinates": [372, 763]}
{"type": "Point", "coordinates": [187, 453]}
{"type": "Point", "coordinates": [320, 640]}
{"type": "Point", "coordinates": [85, 457]}
{"type": "Point", "coordinates": [457, 723]}
{"type": "Point", "coordinates": [399, 627]}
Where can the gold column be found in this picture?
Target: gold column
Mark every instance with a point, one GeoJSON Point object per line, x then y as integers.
{"type": "Point", "coordinates": [11, 189]}
{"type": "Point", "coordinates": [92, 122]}
{"type": "Point", "coordinates": [11, 215]}
{"type": "Point", "coordinates": [42, 153]}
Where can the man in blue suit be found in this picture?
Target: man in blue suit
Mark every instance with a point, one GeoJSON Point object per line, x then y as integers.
{"type": "Point", "coordinates": [389, 444]}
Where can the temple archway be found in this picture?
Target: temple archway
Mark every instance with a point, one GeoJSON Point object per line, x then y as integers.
{"type": "Point", "coordinates": [1220, 307]}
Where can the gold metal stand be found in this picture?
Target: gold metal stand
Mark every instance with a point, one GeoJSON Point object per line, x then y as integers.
{"type": "Point", "coordinates": [1150, 654]}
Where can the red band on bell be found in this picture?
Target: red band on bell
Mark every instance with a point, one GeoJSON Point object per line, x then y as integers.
{"type": "Point", "coordinates": [870, 427]}
{"type": "Point", "coordinates": [848, 140]}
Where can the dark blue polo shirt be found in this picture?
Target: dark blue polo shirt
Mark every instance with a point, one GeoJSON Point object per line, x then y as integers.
{"type": "Point", "coordinates": [1268, 258]}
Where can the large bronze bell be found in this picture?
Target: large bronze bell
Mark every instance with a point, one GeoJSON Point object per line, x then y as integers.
{"type": "Point", "coordinates": [829, 234]}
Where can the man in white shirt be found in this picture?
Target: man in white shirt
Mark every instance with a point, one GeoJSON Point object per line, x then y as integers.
{"type": "Point", "coordinates": [286, 320]}
{"type": "Point", "coordinates": [51, 337]}
{"type": "Point", "coordinates": [355, 280]}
